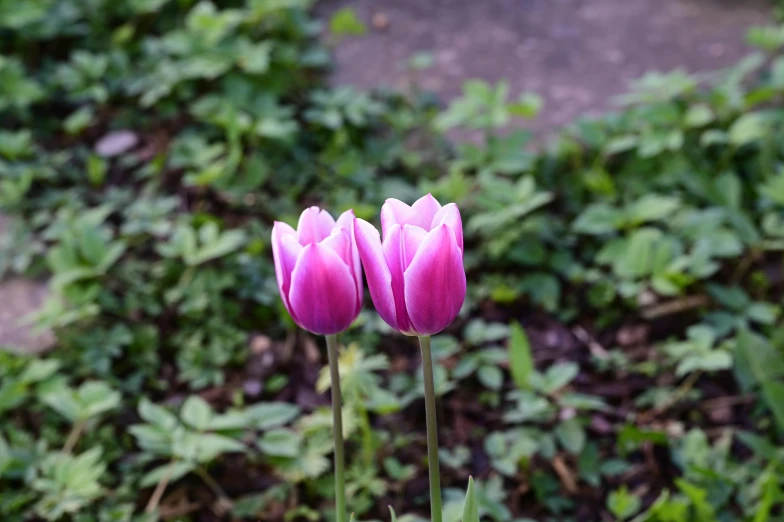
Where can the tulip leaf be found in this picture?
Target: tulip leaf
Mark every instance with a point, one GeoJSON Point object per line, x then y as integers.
{"type": "Point", "coordinates": [471, 507]}
{"type": "Point", "coordinates": [521, 362]}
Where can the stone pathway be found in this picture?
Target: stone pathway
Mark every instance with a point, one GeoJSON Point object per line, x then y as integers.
{"type": "Point", "coordinates": [575, 53]}
{"type": "Point", "coordinates": [18, 298]}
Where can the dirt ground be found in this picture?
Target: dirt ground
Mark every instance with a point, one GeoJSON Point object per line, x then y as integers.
{"type": "Point", "coordinates": [575, 53]}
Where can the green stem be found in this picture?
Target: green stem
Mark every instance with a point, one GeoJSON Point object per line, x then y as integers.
{"type": "Point", "coordinates": [223, 499]}
{"type": "Point", "coordinates": [155, 499]}
{"type": "Point", "coordinates": [432, 430]}
{"type": "Point", "coordinates": [73, 437]}
{"type": "Point", "coordinates": [337, 429]}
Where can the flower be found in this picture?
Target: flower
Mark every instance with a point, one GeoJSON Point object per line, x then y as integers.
{"type": "Point", "coordinates": [318, 270]}
{"type": "Point", "coordinates": [416, 276]}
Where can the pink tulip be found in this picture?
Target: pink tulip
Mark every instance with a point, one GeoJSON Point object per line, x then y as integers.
{"type": "Point", "coordinates": [318, 270]}
{"type": "Point", "coordinates": [416, 276]}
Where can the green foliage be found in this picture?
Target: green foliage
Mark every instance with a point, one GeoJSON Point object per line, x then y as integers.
{"type": "Point", "coordinates": [148, 145]}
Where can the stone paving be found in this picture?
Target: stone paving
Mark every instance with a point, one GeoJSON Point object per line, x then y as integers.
{"type": "Point", "coordinates": [575, 53]}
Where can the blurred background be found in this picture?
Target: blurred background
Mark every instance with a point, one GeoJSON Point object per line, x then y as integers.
{"type": "Point", "coordinates": [618, 167]}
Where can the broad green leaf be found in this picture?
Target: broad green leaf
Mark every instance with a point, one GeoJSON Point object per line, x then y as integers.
{"type": "Point", "coordinates": [173, 472]}
{"type": "Point", "coordinates": [652, 207]}
{"type": "Point", "coordinates": [157, 415]}
{"type": "Point", "coordinates": [623, 504]}
{"type": "Point", "coordinates": [205, 447]}
{"type": "Point", "coordinates": [281, 442]}
{"type": "Point", "coordinates": [571, 435]}
{"type": "Point", "coordinates": [699, 115]}
{"type": "Point", "coordinates": [598, 219]}
{"type": "Point", "coordinates": [344, 22]}
{"type": "Point", "coordinates": [196, 413]}
{"type": "Point", "coordinates": [39, 369]}
{"type": "Point", "coordinates": [491, 377]}
{"type": "Point", "coordinates": [710, 362]}
{"type": "Point", "coordinates": [750, 127]}
{"type": "Point", "coordinates": [773, 392]}
{"type": "Point", "coordinates": [559, 375]}
{"type": "Point", "coordinates": [773, 188]}
{"type": "Point", "coordinates": [640, 251]}
{"type": "Point", "coordinates": [153, 439]}
{"type": "Point", "coordinates": [268, 415]}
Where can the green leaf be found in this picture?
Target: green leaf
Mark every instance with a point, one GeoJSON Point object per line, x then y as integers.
{"type": "Point", "coordinates": [174, 471]}
{"type": "Point", "coordinates": [215, 246]}
{"type": "Point", "coordinates": [773, 188]}
{"type": "Point", "coordinates": [97, 397]}
{"type": "Point", "coordinates": [757, 362]}
{"type": "Point", "coordinates": [272, 414]}
{"type": "Point", "coordinates": [196, 413]}
{"type": "Point", "coordinates": [710, 362]}
{"type": "Point", "coordinates": [598, 219]}
{"type": "Point", "coordinates": [157, 415]}
{"type": "Point", "coordinates": [39, 369]}
{"type": "Point", "coordinates": [153, 439]}
{"type": "Point", "coordinates": [636, 259]}
{"type": "Point", "coordinates": [392, 515]}
{"type": "Point", "coordinates": [750, 127]}
{"type": "Point", "coordinates": [206, 447]}
{"type": "Point", "coordinates": [281, 443]}
{"type": "Point", "coordinates": [345, 22]}
{"type": "Point", "coordinates": [521, 362]}
{"type": "Point", "coordinates": [571, 435]}
{"type": "Point", "coordinates": [559, 375]}
{"type": "Point", "coordinates": [63, 400]}
{"type": "Point", "coordinates": [471, 506]}
{"type": "Point", "coordinates": [652, 207]}
{"type": "Point", "coordinates": [97, 167]}
{"type": "Point", "coordinates": [699, 115]}
{"type": "Point", "coordinates": [773, 393]}
{"type": "Point", "coordinates": [491, 377]}
{"type": "Point", "coordinates": [623, 504]}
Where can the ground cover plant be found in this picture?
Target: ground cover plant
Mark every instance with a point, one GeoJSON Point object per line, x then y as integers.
{"type": "Point", "coordinates": [619, 355]}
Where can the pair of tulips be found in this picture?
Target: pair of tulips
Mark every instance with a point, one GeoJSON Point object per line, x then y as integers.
{"type": "Point", "coordinates": [415, 277]}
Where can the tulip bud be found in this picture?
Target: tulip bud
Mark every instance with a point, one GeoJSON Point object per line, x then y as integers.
{"type": "Point", "coordinates": [318, 271]}
{"type": "Point", "coordinates": [416, 276]}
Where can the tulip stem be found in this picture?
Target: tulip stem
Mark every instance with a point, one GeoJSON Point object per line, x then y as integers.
{"type": "Point", "coordinates": [337, 429]}
{"type": "Point", "coordinates": [432, 430]}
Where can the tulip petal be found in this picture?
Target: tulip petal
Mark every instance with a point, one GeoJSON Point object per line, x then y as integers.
{"type": "Point", "coordinates": [340, 242]}
{"type": "Point", "coordinates": [377, 272]}
{"type": "Point", "coordinates": [435, 282]}
{"type": "Point", "coordinates": [394, 211]}
{"type": "Point", "coordinates": [285, 249]}
{"type": "Point", "coordinates": [411, 238]}
{"type": "Point", "coordinates": [449, 215]}
{"type": "Point", "coordinates": [395, 255]}
{"type": "Point", "coordinates": [427, 206]}
{"type": "Point", "coordinates": [346, 220]}
{"type": "Point", "coordinates": [314, 225]}
{"type": "Point", "coordinates": [323, 293]}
